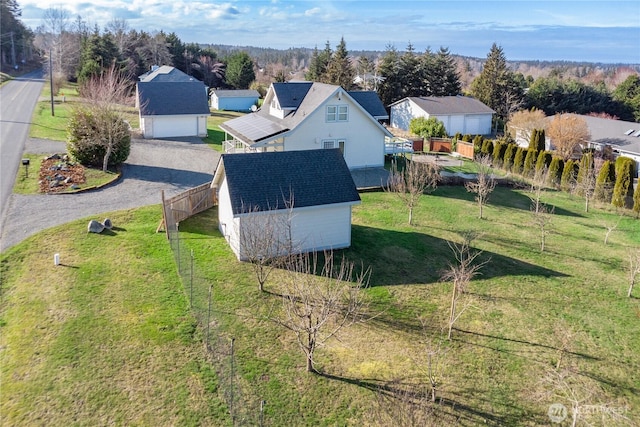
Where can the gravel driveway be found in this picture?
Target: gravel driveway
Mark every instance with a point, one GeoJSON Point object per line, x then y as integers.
{"type": "Point", "coordinates": [152, 166]}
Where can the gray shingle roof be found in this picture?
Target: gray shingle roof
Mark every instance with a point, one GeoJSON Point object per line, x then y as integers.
{"type": "Point", "coordinates": [444, 105]}
{"type": "Point", "coordinates": [166, 73]}
{"type": "Point", "coordinates": [612, 132]}
{"type": "Point", "coordinates": [290, 95]}
{"type": "Point", "coordinates": [171, 98]}
{"type": "Point", "coordinates": [267, 181]}
{"type": "Point", "coordinates": [241, 93]}
{"type": "Point", "coordinates": [371, 102]}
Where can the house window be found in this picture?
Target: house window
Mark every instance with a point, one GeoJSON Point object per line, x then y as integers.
{"type": "Point", "coordinates": [327, 143]}
{"type": "Point", "coordinates": [341, 145]}
{"type": "Point", "coordinates": [337, 113]}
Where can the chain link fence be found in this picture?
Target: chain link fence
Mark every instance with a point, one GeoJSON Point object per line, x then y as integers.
{"type": "Point", "coordinates": [245, 409]}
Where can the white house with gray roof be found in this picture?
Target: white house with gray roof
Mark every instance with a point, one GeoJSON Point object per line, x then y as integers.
{"type": "Point", "coordinates": [623, 137]}
{"type": "Point", "coordinates": [460, 114]}
{"type": "Point", "coordinates": [307, 116]}
{"type": "Point", "coordinates": [165, 73]}
{"type": "Point", "coordinates": [300, 201]}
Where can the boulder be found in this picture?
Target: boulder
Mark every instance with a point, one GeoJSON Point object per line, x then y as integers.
{"type": "Point", "coordinates": [107, 224]}
{"type": "Point", "coordinates": [95, 227]}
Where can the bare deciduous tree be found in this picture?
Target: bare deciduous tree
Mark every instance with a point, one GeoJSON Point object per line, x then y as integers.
{"type": "Point", "coordinates": [411, 183]}
{"type": "Point", "coordinates": [320, 300]}
{"type": "Point", "coordinates": [460, 273]}
{"type": "Point", "coordinates": [634, 271]}
{"type": "Point", "coordinates": [567, 132]}
{"type": "Point", "coordinates": [610, 227]}
{"type": "Point", "coordinates": [541, 214]}
{"type": "Point", "coordinates": [484, 184]}
{"type": "Point", "coordinates": [265, 239]}
{"type": "Point", "coordinates": [522, 123]}
{"type": "Point", "coordinates": [586, 180]}
{"type": "Point", "coordinates": [106, 95]}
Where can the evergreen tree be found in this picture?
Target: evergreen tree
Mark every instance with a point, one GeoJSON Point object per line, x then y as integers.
{"type": "Point", "coordinates": [556, 168]}
{"type": "Point", "coordinates": [628, 93]}
{"type": "Point", "coordinates": [528, 167]}
{"type": "Point", "coordinates": [319, 63]}
{"type": "Point", "coordinates": [623, 188]}
{"type": "Point", "coordinates": [98, 54]}
{"type": "Point", "coordinates": [518, 161]}
{"type": "Point", "coordinates": [543, 161]}
{"type": "Point", "coordinates": [636, 201]}
{"type": "Point", "coordinates": [177, 50]}
{"type": "Point", "coordinates": [507, 159]}
{"type": "Point", "coordinates": [567, 180]}
{"type": "Point", "coordinates": [410, 73]}
{"type": "Point", "coordinates": [390, 89]}
{"type": "Point", "coordinates": [604, 182]}
{"type": "Point", "coordinates": [240, 72]}
{"type": "Point", "coordinates": [445, 79]}
{"type": "Point", "coordinates": [339, 70]}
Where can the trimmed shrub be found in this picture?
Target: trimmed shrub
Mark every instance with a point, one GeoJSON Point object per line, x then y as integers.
{"type": "Point", "coordinates": [586, 163]}
{"type": "Point", "coordinates": [507, 159]}
{"type": "Point", "coordinates": [528, 168]}
{"type": "Point", "coordinates": [498, 153]}
{"type": "Point", "coordinates": [636, 200]}
{"type": "Point", "coordinates": [623, 188]}
{"type": "Point", "coordinates": [568, 178]}
{"type": "Point", "coordinates": [477, 143]}
{"type": "Point", "coordinates": [87, 142]}
{"type": "Point", "coordinates": [556, 167]}
{"type": "Point", "coordinates": [487, 147]}
{"type": "Point", "coordinates": [536, 141]}
{"type": "Point", "coordinates": [604, 182]}
{"type": "Point", "coordinates": [467, 138]}
{"type": "Point", "coordinates": [518, 161]}
{"type": "Point", "coordinates": [543, 161]}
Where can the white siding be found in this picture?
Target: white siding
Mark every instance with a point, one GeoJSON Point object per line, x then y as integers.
{"type": "Point", "coordinates": [403, 112]}
{"type": "Point", "coordinates": [364, 140]}
{"type": "Point", "coordinates": [227, 224]}
{"type": "Point", "coordinates": [173, 126]}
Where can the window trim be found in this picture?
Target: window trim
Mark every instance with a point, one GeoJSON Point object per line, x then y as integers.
{"type": "Point", "coordinates": [337, 113]}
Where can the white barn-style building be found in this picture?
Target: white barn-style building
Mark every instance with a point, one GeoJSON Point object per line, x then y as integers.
{"type": "Point", "coordinates": [306, 195]}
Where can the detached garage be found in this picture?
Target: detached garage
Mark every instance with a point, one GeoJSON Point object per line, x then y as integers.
{"type": "Point", "coordinates": [460, 114]}
{"type": "Point", "coordinates": [172, 109]}
{"type": "Point", "coordinates": [301, 200]}
{"type": "Point", "coordinates": [234, 100]}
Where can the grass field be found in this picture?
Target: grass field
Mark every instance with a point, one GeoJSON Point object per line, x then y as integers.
{"type": "Point", "coordinates": [109, 338]}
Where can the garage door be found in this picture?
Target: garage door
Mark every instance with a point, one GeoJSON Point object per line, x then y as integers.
{"type": "Point", "coordinates": [164, 127]}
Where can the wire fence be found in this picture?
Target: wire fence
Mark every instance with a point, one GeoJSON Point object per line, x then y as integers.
{"type": "Point", "coordinates": [245, 409]}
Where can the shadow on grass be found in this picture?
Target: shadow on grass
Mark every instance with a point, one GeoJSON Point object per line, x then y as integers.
{"type": "Point", "coordinates": [503, 196]}
{"type": "Point", "coordinates": [407, 394]}
{"type": "Point", "coordinates": [400, 258]}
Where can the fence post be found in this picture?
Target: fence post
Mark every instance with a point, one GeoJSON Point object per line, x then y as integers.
{"type": "Point", "coordinates": [262, 403]}
{"type": "Point", "coordinates": [209, 318]}
{"type": "Point", "coordinates": [191, 284]}
{"type": "Point", "coordinates": [178, 250]}
{"type": "Point", "coordinates": [232, 383]}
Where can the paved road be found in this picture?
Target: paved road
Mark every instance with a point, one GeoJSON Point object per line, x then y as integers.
{"type": "Point", "coordinates": [17, 101]}
{"type": "Point", "coordinates": [152, 166]}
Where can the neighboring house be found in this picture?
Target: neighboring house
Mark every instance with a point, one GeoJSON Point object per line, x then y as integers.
{"type": "Point", "coordinates": [172, 109]}
{"type": "Point", "coordinates": [234, 100]}
{"type": "Point", "coordinates": [460, 114]}
{"type": "Point", "coordinates": [623, 137]}
{"type": "Point", "coordinates": [307, 195]}
{"type": "Point", "coordinates": [306, 116]}
{"type": "Point", "coordinates": [165, 73]}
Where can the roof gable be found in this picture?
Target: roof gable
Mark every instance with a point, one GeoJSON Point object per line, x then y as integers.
{"type": "Point", "coordinates": [290, 95]}
{"type": "Point", "coordinates": [166, 73]}
{"type": "Point", "coordinates": [269, 181]}
{"type": "Point", "coordinates": [446, 105]}
{"type": "Point", "coordinates": [172, 98]}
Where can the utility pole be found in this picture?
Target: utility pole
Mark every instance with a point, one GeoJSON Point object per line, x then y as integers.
{"type": "Point", "coordinates": [13, 51]}
{"type": "Point", "coordinates": [51, 83]}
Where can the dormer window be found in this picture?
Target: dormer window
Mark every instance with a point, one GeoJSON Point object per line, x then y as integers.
{"type": "Point", "coordinates": [337, 113]}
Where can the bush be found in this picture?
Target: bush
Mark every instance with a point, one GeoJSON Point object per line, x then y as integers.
{"type": "Point", "coordinates": [568, 178]}
{"type": "Point", "coordinates": [556, 167]}
{"type": "Point", "coordinates": [427, 127]}
{"type": "Point", "coordinates": [87, 142]}
{"type": "Point", "coordinates": [543, 161]}
{"type": "Point", "coordinates": [528, 168]}
{"type": "Point", "coordinates": [604, 182]}
{"type": "Point", "coordinates": [586, 164]}
{"type": "Point", "coordinates": [498, 152]}
{"type": "Point", "coordinates": [636, 200]}
{"type": "Point", "coordinates": [623, 188]}
{"type": "Point", "coordinates": [477, 143]}
{"type": "Point", "coordinates": [487, 147]}
{"type": "Point", "coordinates": [467, 138]}
{"type": "Point", "coordinates": [507, 159]}
{"type": "Point", "coordinates": [536, 141]}
{"type": "Point", "coordinates": [518, 161]}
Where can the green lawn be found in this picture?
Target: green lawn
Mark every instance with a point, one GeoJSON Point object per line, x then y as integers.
{"type": "Point", "coordinates": [109, 339]}
{"type": "Point", "coordinates": [215, 134]}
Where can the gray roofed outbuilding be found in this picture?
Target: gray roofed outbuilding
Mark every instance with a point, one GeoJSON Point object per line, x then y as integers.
{"type": "Point", "coordinates": [444, 105]}
{"type": "Point", "coordinates": [269, 181]}
{"type": "Point", "coordinates": [172, 98]}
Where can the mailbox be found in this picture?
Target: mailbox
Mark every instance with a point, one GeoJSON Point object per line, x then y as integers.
{"type": "Point", "coordinates": [25, 162]}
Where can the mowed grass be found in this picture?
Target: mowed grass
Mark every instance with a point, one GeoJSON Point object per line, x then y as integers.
{"type": "Point", "coordinates": [215, 135]}
{"type": "Point", "coordinates": [101, 340]}
{"type": "Point", "coordinates": [77, 341]}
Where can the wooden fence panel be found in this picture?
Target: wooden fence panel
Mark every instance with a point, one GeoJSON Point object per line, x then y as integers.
{"type": "Point", "coordinates": [465, 149]}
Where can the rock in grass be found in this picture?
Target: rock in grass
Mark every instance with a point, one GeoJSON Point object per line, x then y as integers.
{"type": "Point", "coordinates": [95, 227]}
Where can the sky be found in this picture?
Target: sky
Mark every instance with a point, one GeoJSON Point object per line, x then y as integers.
{"type": "Point", "coordinates": [572, 30]}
